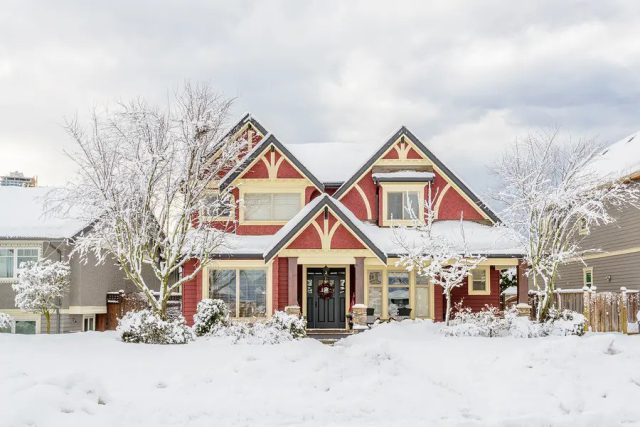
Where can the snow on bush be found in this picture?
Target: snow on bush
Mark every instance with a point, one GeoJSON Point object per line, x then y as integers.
{"type": "Point", "coordinates": [282, 327]}
{"type": "Point", "coordinates": [5, 321]}
{"type": "Point", "coordinates": [489, 323]}
{"type": "Point", "coordinates": [210, 314]}
{"type": "Point", "coordinates": [147, 327]}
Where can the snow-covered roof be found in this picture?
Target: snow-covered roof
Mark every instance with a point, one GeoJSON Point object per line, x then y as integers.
{"type": "Point", "coordinates": [332, 162]}
{"type": "Point", "coordinates": [480, 238]}
{"type": "Point", "coordinates": [620, 160]}
{"type": "Point", "coordinates": [236, 244]}
{"type": "Point", "coordinates": [23, 216]}
{"type": "Point", "coordinates": [407, 175]}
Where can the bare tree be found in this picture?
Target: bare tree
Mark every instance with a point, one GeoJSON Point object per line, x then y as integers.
{"type": "Point", "coordinates": [550, 191]}
{"type": "Point", "coordinates": [435, 256]}
{"type": "Point", "coordinates": [145, 174]}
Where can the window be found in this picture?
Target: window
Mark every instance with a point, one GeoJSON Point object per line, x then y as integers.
{"type": "Point", "coordinates": [398, 296]}
{"type": "Point", "coordinates": [88, 323]}
{"type": "Point", "coordinates": [584, 227]}
{"type": "Point", "coordinates": [423, 297]}
{"type": "Point", "coordinates": [479, 282]}
{"type": "Point", "coordinates": [217, 207]}
{"type": "Point", "coordinates": [403, 205]}
{"type": "Point", "coordinates": [243, 290]}
{"type": "Point", "coordinates": [374, 297]}
{"type": "Point", "coordinates": [587, 277]}
{"type": "Point", "coordinates": [25, 327]}
{"type": "Point", "coordinates": [271, 206]}
{"type": "Point", "coordinates": [12, 258]}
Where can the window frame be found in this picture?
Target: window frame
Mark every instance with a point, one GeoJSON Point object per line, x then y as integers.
{"type": "Point", "coordinates": [15, 249]}
{"type": "Point", "coordinates": [583, 227]}
{"type": "Point", "coordinates": [413, 286]}
{"type": "Point", "coordinates": [271, 191]}
{"type": "Point", "coordinates": [237, 269]}
{"type": "Point", "coordinates": [91, 317]}
{"type": "Point", "coordinates": [585, 271]}
{"type": "Point", "coordinates": [232, 210]}
{"type": "Point", "coordinates": [397, 187]}
{"type": "Point", "coordinates": [487, 290]}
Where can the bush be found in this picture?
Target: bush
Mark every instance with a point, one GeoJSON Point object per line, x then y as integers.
{"type": "Point", "coordinates": [280, 328]}
{"type": "Point", "coordinates": [5, 321]}
{"type": "Point", "coordinates": [295, 325]}
{"type": "Point", "coordinates": [147, 327]}
{"type": "Point", "coordinates": [489, 323]}
{"type": "Point", "coordinates": [210, 314]}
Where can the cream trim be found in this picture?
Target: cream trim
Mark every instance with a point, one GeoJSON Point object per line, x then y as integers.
{"type": "Point", "coordinates": [367, 205]}
{"type": "Point", "coordinates": [487, 290]}
{"type": "Point", "coordinates": [392, 187]}
{"type": "Point", "coordinates": [436, 206]}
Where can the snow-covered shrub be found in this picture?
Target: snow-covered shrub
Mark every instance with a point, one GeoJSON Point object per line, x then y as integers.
{"type": "Point", "coordinates": [147, 327]}
{"type": "Point", "coordinates": [489, 323]}
{"type": "Point", "coordinates": [484, 323]}
{"type": "Point", "coordinates": [295, 325]}
{"type": "Point", "coordinates": [5, 321]}
{"type": "Point", "coordinates": [280, 328]}
{"type": "Point", "coordinates": [210, 314]}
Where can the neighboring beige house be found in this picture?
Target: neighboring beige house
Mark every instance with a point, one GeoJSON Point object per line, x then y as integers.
{"type": "Point", "coordinates": [27, 234]}
{"type": "Point", "coordinates": [617, 262]}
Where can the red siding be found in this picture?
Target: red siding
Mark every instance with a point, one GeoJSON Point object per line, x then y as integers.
{"type": "Point", "coordinates": [257, 171]}
{"type": "Point", "coordinates": [283, 286]}
{"type": "Point", "coordinates": [286, 170]}
{"type": "Point", "coordinates": [344, 239]}
{"type": "Point", "coordinates": [191, 292]}
{"type": "Point", "coordinates": [413, 154]}
{"type": "Point", "coordinates": [353, 200]}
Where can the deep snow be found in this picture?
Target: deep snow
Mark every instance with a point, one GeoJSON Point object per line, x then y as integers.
{"type": "Point", "coordinates": [397, 374]}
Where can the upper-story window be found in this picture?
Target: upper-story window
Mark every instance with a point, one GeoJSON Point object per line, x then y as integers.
{"type": "Point", "coordinates": [271, 206]}
{"type": "Point", "coordinates": [583, 227]}
{"type": "Point", "coordinates": [403, 205]}
{"type": "Point", "coordinates": [12, 258]}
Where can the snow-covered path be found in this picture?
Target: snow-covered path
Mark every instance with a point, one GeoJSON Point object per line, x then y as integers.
{"type": "Point", "coordinates": [398, 374]}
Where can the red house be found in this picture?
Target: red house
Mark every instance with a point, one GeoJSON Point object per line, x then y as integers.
{"type": "Point", "coordinates": [313, 232]}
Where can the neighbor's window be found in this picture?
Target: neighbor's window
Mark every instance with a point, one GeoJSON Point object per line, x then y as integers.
{"type": "Point", "coordinates": [243, 290]}
{"type": "Point", "coordinates": [25, 327]}
{"type": "Point", "coordinates": [588, 277]}
{"type": "Point", "coordinates": [584, 227]}
{"type": "Point", "coordinates": [478, 281]}
{"type": "Point", "coordinates": [11, 259]}
{"type": "Point", "coordinates": [374, 297]}
{"type": "Point", "coordinates": [398, 283]}
{"type": "Point", "coordinates": [402, 205]}
{"type": "Point", "coordinates": [423, 296]}
{"type": "Point", "coordinates": [271, 206]}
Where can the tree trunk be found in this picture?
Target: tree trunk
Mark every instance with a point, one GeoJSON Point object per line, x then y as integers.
{"type": "Point", "coordinates": [47, 316]}
{"type": "Point", "coordinates": [447, 314]}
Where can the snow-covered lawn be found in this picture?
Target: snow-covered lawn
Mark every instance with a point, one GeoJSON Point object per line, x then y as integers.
{"type": "Point", "coordinates": [397, 374]}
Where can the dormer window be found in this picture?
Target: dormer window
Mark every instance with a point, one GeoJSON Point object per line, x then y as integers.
{"type": "Point", "coordinates": [271, 206]}
{"type": "Point", "coordinates": [403, 205]}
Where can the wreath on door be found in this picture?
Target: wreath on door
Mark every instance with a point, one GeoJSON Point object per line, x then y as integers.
{"type": "Point", "coordinates": [325, 290]}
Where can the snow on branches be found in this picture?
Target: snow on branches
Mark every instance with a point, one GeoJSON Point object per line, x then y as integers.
{"type": "Point", "coordinates": [436, 257]}
{"type": "Point", "coordinates": [551, 193]}
{"type": "Point", "coordinates": [41, 286]}
{"type": "Point", "coordinates": [146, 178]}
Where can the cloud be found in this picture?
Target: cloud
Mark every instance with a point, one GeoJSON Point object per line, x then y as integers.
{"type": "Point", "coordinates": [466, 77]}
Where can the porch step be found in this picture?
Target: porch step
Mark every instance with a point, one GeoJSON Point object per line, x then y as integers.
{"type": "Point", "coordinates": [330, 336]}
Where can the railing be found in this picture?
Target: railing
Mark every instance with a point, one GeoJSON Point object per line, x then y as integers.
{"type": "Point", "coordinates": [604, 311]}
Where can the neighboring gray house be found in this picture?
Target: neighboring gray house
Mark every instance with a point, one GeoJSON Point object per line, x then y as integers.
{"type": "Point", "coordinates": [617, 263]}
{"type": "Point", "coordinates": [27, 234]}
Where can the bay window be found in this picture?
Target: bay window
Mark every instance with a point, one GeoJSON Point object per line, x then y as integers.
{"type": "Point", "coordinates": [271, 206]}
{"type": "Point", "coordinates": [11, 259]}
{"type": "Point", "coordinates": [243, 290]}
{"type": "Point", "coordinates": [423, 297]}
{"type": "Point", "coordinates": [374, 294]}
{"type": "Point", "coordinates": [403, 205]}
{"type": "Point", "coordinates": [398, 293]}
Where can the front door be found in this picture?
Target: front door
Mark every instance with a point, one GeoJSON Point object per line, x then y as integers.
{"type": "Point", "coordinates": [326, 292]}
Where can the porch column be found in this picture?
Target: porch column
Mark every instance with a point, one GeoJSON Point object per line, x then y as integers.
{"type": "Point", "coordinates": [359, 267]}
{"type": "Point", "coordinates": [523, 282]}
{"type": "Point", "coordinates": [292, 282]}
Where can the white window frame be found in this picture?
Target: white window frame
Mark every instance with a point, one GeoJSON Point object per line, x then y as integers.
{"type": "Point", "coordinates": [584, 277]}
{"type": "Point", "coordinates": [487, 283]}
{"type": "Point", "coordinates": [15, 249]}
{"type": "Point", "coordinates": [583, 228]}
{"type": "Point", "coordinates": [235, 315]}
{"type": "Point", "coordinates": [93, 322]}
{"type": "Point", "coordinates": [232, 210]}
{"type": "Point", "coordinates": [271, 192]}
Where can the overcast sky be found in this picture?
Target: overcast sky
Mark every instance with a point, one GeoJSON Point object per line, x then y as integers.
{"type": "Point", "coordinates": [466, 77]}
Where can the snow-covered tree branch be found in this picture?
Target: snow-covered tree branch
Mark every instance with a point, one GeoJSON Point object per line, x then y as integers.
{"type": "Point", "coordinates": [146, 177]}
{"type": "Point", "coordinates": [550, 191]}
{"type": "Point", "coordinates": [435, 256]}
{"type": "Point", "coordinates": [41, 286]}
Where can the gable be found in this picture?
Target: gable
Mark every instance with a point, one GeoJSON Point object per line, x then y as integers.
{"type": "Point", "coordinates": [271, 165]}
{"type": "Point", "coordinates": [325, 235]}
{"type": "Point", "coordinates": [403, 149]}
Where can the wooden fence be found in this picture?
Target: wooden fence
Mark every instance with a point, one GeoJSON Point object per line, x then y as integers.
{"type": "Point", "coordinates": [604, 311]}
{"type": "Point", "coordinates": [120, 303]}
